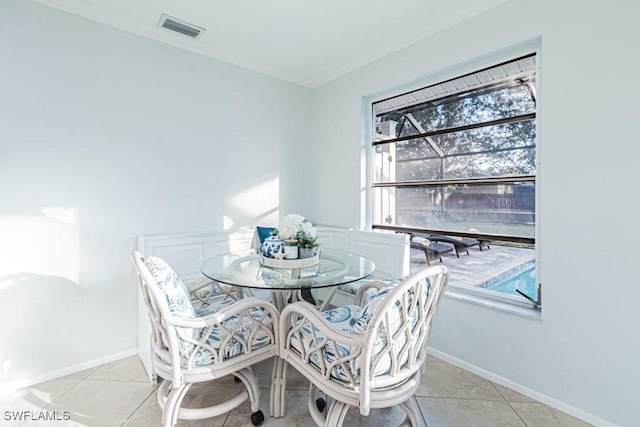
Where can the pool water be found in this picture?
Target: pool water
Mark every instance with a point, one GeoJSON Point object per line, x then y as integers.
{"type": "Point", "coordinates": [524, 281]}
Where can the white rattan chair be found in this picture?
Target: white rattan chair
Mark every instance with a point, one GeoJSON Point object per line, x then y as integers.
{"type": "Point", "coordinates": [195, 341]}
{"type": "Point", "coordinates": [367, 356]}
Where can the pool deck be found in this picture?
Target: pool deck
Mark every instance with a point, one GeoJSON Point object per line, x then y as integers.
{"type": "Point", "coordinates": [479, 266]}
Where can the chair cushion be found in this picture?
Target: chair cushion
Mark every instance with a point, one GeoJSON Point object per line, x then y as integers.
{"type": "Point", "coordinates": [395, 314]}
{"type": "Point", "coordinates": [372, 306]}
{"type": "Point", "coordinates": [394, 319]}
{"type": "Point", "coordinates": [352, 288]}
{"type": "Point", "coordinates": [173, 288]}
{"type": "Point", "coordinates": [241, 325]}
{"type": "Point", "coordinates": [210, 300]}
{"type": "Point", "coordinates": [421, 241]}
{"type": "Point", "coordinates": [176, 297]}
{"type": "Point", "coordinates": [342, 319]}
{"type": "Point", "coordinates": [352, 319]}
{"type": "Point", "coordinates": [264, 232]}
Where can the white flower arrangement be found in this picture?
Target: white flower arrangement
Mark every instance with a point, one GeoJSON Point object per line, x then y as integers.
{"type": "Point", "coordinates": [294, 226]}
{"type": "Point", "coordinates": [289, 226]}
{"type": "Point", "coordinates": [307, 235]}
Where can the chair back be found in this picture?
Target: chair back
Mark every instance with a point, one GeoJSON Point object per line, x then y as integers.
{"type": "Point", "coordinates": [164, 337]}
{"type": "Point", "coordinates": [397, 322]}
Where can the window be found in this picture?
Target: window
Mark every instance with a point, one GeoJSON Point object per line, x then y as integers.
{"type": "Point", "coordinates": [458, 158]}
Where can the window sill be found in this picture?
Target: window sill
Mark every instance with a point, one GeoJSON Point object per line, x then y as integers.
{"type": "Point", "coordinates": [495, 302]}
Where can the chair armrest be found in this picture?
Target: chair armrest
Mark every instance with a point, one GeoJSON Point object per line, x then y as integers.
{"type": "Point", "coordinates": [218, 337]}
{"type": "Point", "coordinates": [219, 316]}
{"type": "Point", "coordinates": [361, 295]}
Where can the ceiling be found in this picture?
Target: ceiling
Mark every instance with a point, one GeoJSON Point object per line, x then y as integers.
{"type": "Point", "coordinates": [302, 41]}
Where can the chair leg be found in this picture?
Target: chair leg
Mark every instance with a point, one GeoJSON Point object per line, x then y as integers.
{"type": "Point", "coordinates": [414, 417]}
{"type": "Point", "coordinates": [183, 392]}
{"type": "Point", "coordinates": [314, 408]}
{"type": "Point", "coordinates": [426, 255]}
{"type": "Point", "coordinates": [171, 405]}
{"type": "Point", "coordinates": [250, 382]}
{"type": "Point", "coordinates": [336, 414]}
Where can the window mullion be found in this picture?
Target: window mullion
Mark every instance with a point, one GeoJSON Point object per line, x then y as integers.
{"type": "Point", "coordinates": [466, 181]}
{"type": "Point", "coordinates": [505, 120]}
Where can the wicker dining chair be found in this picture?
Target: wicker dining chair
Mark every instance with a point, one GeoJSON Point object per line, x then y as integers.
{"type": "Point", "coordinates": [368, 354]}
{"type": "Point", "coordinates": [203, 339]}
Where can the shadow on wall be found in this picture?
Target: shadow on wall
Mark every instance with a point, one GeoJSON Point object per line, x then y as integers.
{"type": "Point", "coordinates": [37, 311]}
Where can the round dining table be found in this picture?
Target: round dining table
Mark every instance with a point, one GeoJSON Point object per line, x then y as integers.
{"type": "Point", "coordinates": [245, 270]}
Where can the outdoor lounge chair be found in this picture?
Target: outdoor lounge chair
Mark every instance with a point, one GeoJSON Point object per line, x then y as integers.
{"type": "Point", "coordinates": [460, 244]}
{"type": "Point", "coordinates": [432, 250]}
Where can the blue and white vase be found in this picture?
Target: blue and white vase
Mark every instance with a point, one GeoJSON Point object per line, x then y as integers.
{"type": "Point", "coordinates": [271, 246]}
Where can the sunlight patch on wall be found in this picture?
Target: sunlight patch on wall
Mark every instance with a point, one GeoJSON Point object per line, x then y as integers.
{"type": "Point", "coordinates": [227, 223]}
{"type": "Point", "coordinates": [258, 200]}
{"type": "Point", "coordinates": [47, 244]}
{"type": "Point", "coordinates": [65, 215]}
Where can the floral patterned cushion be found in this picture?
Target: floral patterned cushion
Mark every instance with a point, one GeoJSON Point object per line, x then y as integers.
{"type": "Point", "coordinates": [352, 319]}
{"type": "Point", "coordinates": [176, 296]}
{"type": "Point", "coordinates": [230, 337]}
{"type": "Point", "coordinates": [393, 321]}
{"type": "Point", "coordinates": [343, 319]}
{"type": "Point", "coordinates": [352, 288]}
{"type": "Point", "coordinates": [174, 290]}
{"type": "Point", "coordinates": [374, 300]}
{"type": "Point", "coordinates": [234, 335]}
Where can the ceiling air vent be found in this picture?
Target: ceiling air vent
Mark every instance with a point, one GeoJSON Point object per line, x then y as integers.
{"type": "Point", "coordinates": [173, 24]}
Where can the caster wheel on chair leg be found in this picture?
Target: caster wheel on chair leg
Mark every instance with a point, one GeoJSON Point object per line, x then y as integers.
{"type": "Point", "coordinates": [257, 418]}
{"type": "Point", "coordinates": [321, 404]}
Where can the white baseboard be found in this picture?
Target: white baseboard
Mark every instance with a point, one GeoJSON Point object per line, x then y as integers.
{"type": "Point", "coordinates": [543, 398]}
{"type": "Point", "coordinates": [28, 382]}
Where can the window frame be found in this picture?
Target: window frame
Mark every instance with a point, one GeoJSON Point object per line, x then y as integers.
{"type": "Point", "coordinates": [479, 295]}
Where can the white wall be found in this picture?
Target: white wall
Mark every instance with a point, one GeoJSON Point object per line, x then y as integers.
{"type": "Point", "coordinates": [583, 354]}
{"type": "Point", "coordinates": [105, 135]}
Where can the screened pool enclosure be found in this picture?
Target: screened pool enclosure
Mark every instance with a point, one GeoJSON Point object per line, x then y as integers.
{"type": "Point", "coordinates": [459, 157]}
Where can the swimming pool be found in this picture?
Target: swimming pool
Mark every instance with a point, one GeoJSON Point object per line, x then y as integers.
{"type": "Point", "coordinates": [522, 278]}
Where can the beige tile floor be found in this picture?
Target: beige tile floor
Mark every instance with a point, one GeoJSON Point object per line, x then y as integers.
{"type": "Point", "coordinates": [117, 394]}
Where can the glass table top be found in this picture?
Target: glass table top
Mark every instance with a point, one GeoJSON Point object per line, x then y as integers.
{"type": "Point", "coordinates": [244, 269]}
